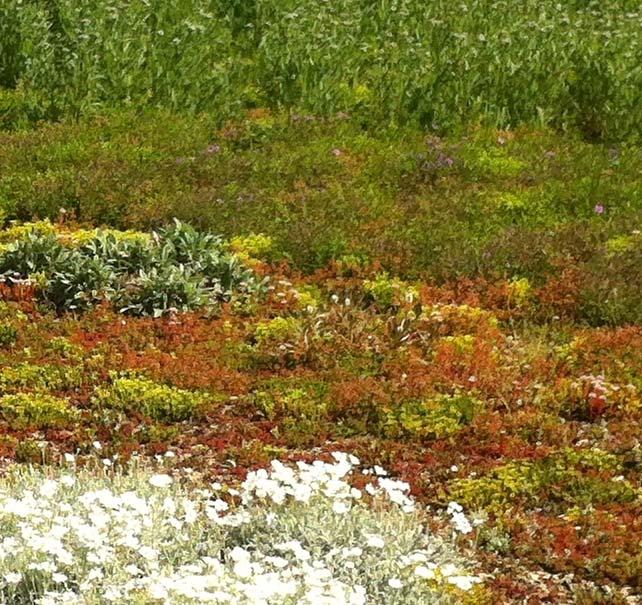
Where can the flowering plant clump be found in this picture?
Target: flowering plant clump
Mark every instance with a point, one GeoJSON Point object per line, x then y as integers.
{"type": "Point", "coordinates": [290, 535]}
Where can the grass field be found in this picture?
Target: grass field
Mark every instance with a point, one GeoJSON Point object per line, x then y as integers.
{"type": "Point", "coordinates": [233, 233]}
{"type": "Point", "coordinates": [439, 65]}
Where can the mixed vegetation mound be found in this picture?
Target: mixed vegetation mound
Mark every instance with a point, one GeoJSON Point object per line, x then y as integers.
{"type": "Point", "coordinates": [138, 538]}
{"type": "Point", "coordinates": [558, 216]}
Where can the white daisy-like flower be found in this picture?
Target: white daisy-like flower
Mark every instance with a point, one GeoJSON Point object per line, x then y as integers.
{"type": "Point", "coordinates": [160, 481]}
{"type": "Point", "coordinates": [375, 541]}
{"type": "Point", "coordinates": [12, 577]}
{"type": "Point", "coordinates": [340, 507]}
{"type": "Point", "coordinates": [423, 572]}
{"type": "Point", "coordinates": [464, 582]}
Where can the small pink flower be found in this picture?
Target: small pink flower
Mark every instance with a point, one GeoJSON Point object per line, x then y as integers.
{"type": "Point", "coordinates": [599, 209]}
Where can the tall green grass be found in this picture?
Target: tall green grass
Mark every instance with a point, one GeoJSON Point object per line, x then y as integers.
{"type": "Point", "coordinates": [439, 64]}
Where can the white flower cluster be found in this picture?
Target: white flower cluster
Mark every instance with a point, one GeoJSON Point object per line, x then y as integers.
{"type": "Point", "coordinates": [322, 478]}
{"type": "Point", "coordinates": [291, 535]}
{"type": "Point", "coordinates": [458, 518]}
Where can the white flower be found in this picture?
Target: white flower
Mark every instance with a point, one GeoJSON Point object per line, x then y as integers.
{"type": "Point", "coordinates": [239, 554]}
{"type": "Point", "coordinates": [67, 481]}
{"type": "Point", "coordinates": [148, 553]}
{"type": "Point", "coordinates": [423, 572]}
{"type": "Point", "coordinates": [12, 577]}
{"type": "Point", "coordinates": [191, 513]}
{"type": "Point", "coordinates": [340, 507]}
{"type": "Point", "coordinates": [459, 519]}
{"type": "Point", "coordinates": [463, 582]}
{"type": "Point", "coordinates": [95, 574]}
{"type": "Point", "coordinates": [346, 459]}
{"type": "Point", "coordinates": [97, 445]}
{"type": "Point", "coordinates": [375, 541]}
{"type": "Point", "coordinates": [454, 507]}
{"type": "Point", "coordinates": [243, 569]}
{"type": "Point", "coordinates": [395, 583]}
{"type": "Point", "coordinates": [278, 562]}
{"type": "Point", "coordinates": [220, 505]}
{"type": "Point", "coordinates": [448, 570]}
{"type": "Point", "coordinates": [48, 488]}
{"type": "Point", "coordinates": [461, 523]}
{"type": "Point", "coordinates": [160, 481]}
{"type": "Point", "coordinates": [114, 593]}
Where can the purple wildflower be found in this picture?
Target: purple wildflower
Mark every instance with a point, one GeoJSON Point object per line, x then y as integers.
{"type": "Point", "coordinates": [445, 160]}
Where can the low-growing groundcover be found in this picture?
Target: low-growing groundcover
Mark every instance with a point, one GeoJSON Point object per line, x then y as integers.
{"type": "Point", "coordinates": [464, 390]}
{"type": "Point", "coordinates": [290, 535]}
{"type": "Point", "coordinates": [522, 204]}
{"type": "Point", "coordinates": [233, 232]}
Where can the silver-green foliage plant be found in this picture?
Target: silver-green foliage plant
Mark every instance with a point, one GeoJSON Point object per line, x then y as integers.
{"type": "Point", "coordinates": [290, 536]}
{"type": "Point", "coordinates": [175, 270]}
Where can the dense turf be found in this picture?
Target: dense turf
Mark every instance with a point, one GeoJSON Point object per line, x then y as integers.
{"type": "Point", "coordinates": [528, 204]}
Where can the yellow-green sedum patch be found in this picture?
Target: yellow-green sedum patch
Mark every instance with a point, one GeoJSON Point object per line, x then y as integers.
{"type": "Point", "coordinates": [158, 401]}
{"type": "Point", "coordinates": [36, 410]}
